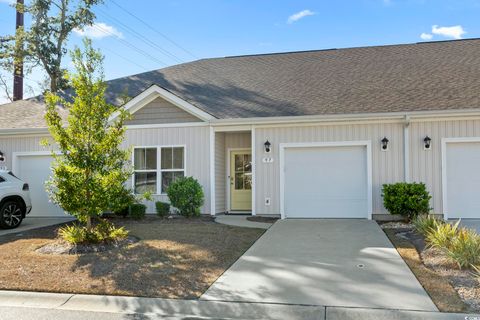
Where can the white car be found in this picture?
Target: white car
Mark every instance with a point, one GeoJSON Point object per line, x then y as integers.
{"type": "Point", "coordinates": [15, 201]}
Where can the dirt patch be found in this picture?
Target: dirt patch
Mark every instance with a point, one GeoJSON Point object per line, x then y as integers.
{"type": "Point", "coordinates": [262, 219]}
{"type": "Point", "coordinates": [463, 281]}
{"type": "Point", "coordinates": [63, 247]}
{"type": "Point", "coordinates": [174, 258]}
{"type": "Point", "coordinates": [438, 286]}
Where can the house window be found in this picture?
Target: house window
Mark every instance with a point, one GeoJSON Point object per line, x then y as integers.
{"type": "Point", "coordinates": [155, 168]}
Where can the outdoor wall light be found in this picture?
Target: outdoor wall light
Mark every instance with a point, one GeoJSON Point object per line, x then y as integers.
{"type": "Point", "coordinates": [2, 157]}
{"type": "Point", "coordinates": [267, 145]}
{"type": "Point", "coordinates": [384, 144]}
{"type": "Point", "coordinates": [427, 143]}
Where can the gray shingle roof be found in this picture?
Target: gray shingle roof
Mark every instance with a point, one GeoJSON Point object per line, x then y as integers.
{"type": "Point", "coordinates": [396, 78]}
{"type": "Point", "coordinates": [25, 114]}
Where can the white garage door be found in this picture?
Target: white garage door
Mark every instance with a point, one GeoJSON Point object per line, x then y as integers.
{"type": "Point", "coordinates": [35, 170]}
{"type": "Point", "coordinates": [326, 182]}
{"type": "Point", "coordinates": [463, 180]}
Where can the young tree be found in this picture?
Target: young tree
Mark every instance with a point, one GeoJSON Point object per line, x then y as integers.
{"type": "Point", "coordinates": [90, 172]}
{"type": "Point", "coordinates": [44, 43]}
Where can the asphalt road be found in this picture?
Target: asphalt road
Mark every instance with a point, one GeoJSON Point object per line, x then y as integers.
{"type": "Point", "coordinates": [21, 313]}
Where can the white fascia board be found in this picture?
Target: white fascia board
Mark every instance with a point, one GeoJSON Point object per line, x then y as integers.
{"type": "Point", "coordinates": [154, 92]}
{"type": "Point", "coordinates": [400, 116]}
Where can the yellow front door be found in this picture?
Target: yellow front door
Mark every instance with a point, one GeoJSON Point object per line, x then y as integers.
{"type": "Point", "coordinates": [241, 180]}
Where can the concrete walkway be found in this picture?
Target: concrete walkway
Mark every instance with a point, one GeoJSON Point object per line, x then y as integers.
{"type": "Point", "coordinates": [30, 223]}
{"type": "Point", "coordinates": [16, 305]}
{"type": "Point", "coordinates": [344, 263]}
{"type": "Point", "coordinates": [241, 221]}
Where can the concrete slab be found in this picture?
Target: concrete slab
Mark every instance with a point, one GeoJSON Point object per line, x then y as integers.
{"type": "Point", "coordinates": [30, 223]}
{"type": "Point", "coordinates": [95, 304]}
{"type": "Point", "coordinates": [241, 221]}
{"type": "Point", "coordinates": [323, 262]}
{"type": "Point", "coordinates": [375, 314]}
{"type": "Point", "coordinates": [473, 224]}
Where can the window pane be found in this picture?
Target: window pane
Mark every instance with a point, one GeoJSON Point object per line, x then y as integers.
{"type": "Point", "coordinates": [166, 158]}
{"type": "Point", "coordinates": [168, 178]}
{"type": "Point", "coordinates": [239, 181]}
{"type": "Point", "coordinates": [239, 162]}
{"type": "Point", "coordinates": [145, 159]}
{"type": "Point", "coordinates": [247, 165]}
{"type": "Point", "coordinates": [139, 158]}
{"type": "Point", "coordinates": [151, 159]}
{"type": "Point", "coordinates": [177, 158]}
{"type": "Point", "coordinates": [145, 182]}
{"type": "Point", "coordinates": [248, 181]}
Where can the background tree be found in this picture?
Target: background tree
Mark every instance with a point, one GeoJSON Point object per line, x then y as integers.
{"type": "Point", "coordinates": [90, 173]}
{"type": "Point", "coordinates": [45, 42]}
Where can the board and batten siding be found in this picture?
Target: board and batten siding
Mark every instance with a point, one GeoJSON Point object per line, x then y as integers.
{"type": "Point", "coordinates": [160, 111]}
{"type": "Point", "coordinates": [197, 149]}
{"type": "Point", "coordinates": [19, 143]}
{"type": "Point", "coordinates": [426, 165]}
{"type": "Point", "coordinates": [387, 167]}
{"type": "Point", "coordinates": [220, 169]}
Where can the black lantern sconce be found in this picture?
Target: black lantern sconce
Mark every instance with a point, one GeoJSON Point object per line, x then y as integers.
{"type": "Point", "coordinates": [427, 143]}
{"type": "Point", "coordinates": [2, 157]}
{"type": "Point", "coordinates": [384, 144]}
{"type": "Point", "coordinates": [267, 146]}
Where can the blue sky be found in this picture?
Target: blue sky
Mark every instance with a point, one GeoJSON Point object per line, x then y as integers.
{"type": "Point", "coordinates": [186, 30]}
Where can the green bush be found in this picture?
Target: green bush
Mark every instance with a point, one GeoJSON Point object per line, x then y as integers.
{"type": "Point", "coordinates": [464, 248]}
{"type": "Point", "coordinates": [186, 195]}
{"type": "Point", "coordinates": [121, 205]}
{"type": "Point", "coordinates": [103, 232]}
{"type": "Point", "coordinates": [163, 208]}
{"type": "Point", "coordinates": [406, 199]}
{"type": "Point", "coordinates": [424, 223]}
{"type": "Point", "coordinates": [137, 211]}
{"type": "Point", "coordinates": [442, 235]}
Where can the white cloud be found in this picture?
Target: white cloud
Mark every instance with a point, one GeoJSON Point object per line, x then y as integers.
{"type": "Point", "coordinates": [299, 15]}
{"type": "Point", "coordinates": [455, 32]}
{"type": "Point", "coordinates": [7, 1]}
{"type": "Point", "coordinates": [426, 36]}
{"type": "Point", "coordinates": [98, 30]}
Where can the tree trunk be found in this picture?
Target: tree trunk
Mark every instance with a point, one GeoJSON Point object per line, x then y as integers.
{"type": "Point", "coordinates": [53, 84]}
{"type": "Point", "coordinates": [89, 223]}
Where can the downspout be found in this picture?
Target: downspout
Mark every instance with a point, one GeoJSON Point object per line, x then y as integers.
{"type": "Point", "coordinates": [406, 149]}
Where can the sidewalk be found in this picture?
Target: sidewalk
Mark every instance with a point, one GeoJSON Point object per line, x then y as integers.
{"type": "Point", "coordinates": [22, 305]}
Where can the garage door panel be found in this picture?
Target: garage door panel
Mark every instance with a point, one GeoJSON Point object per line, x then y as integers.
{"type": "Point", "coordinates": [35, 170]}
{"type": "Point", "coordinates": [463, 180]}
{"type": "Point", "coordinates": [325, 182]}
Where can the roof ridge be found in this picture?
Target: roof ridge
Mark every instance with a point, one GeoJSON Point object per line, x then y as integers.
{"type": "Point", "coordinates": [345, 48]}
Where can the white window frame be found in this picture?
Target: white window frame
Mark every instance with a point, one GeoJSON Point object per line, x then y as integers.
{"type": "Point", "coordinates": [159, 169]}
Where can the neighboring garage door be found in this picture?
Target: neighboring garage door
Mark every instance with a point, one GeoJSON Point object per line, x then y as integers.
{"type": "Point", "coordinates": [35, 170]}
{"type": "Point", "coordinates": [326, 182]}
{"type": "Point", "coordinates": [462, 180]}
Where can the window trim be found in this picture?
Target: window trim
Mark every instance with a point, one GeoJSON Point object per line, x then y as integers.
{"type": "Point", "coordinates": [159, 169]}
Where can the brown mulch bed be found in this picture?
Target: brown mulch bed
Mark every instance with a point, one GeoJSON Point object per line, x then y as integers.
{"type": "Point", "coordinates": [262, 219]}
{"type": "Point", "coordinates": [175, 258]}
{"type": "Point", "coordinates": [439, 286]}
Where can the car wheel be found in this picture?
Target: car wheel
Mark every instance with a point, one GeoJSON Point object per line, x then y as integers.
{"type": "Point", "coordinates": [11, 215]}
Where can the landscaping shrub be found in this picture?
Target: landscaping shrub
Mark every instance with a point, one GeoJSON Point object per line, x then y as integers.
{"type": "Point", "coordinates": [122, 204]}
{"type": "Point", "coordinates": [137, 211]}
{"type": "Point", "coordinates": [406, 199]}
{"type": "Point", "coordinates": [424, 223]}
{"type": "Point", "coordinates": [186, 195]}
{"type": "Point", "coordinates": [465, 248]}
{"type": "Point", "coordinates": [102, 233]}
{"type": "Point", "coordinates": [163, 208]}
{"type": "Point", "coordinates": [442, 235]}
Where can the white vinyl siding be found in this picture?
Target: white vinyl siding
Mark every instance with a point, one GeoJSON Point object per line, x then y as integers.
{"type": "Point", "coordinates": [220, 169]}
{"type": "Point", "coordinates": [387, 167]}
{"type": "Point", "coordinates": [195, 140]}
{"type": "Point", "coordinates": [426, 165]}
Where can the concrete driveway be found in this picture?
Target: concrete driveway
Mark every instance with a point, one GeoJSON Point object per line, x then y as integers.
{"type": "Point", "coordinates": [471, 224]}
{"type": "Point", "coordinates": [328, 262]}
{"type": "Point", "coordinates": [30, 223]}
